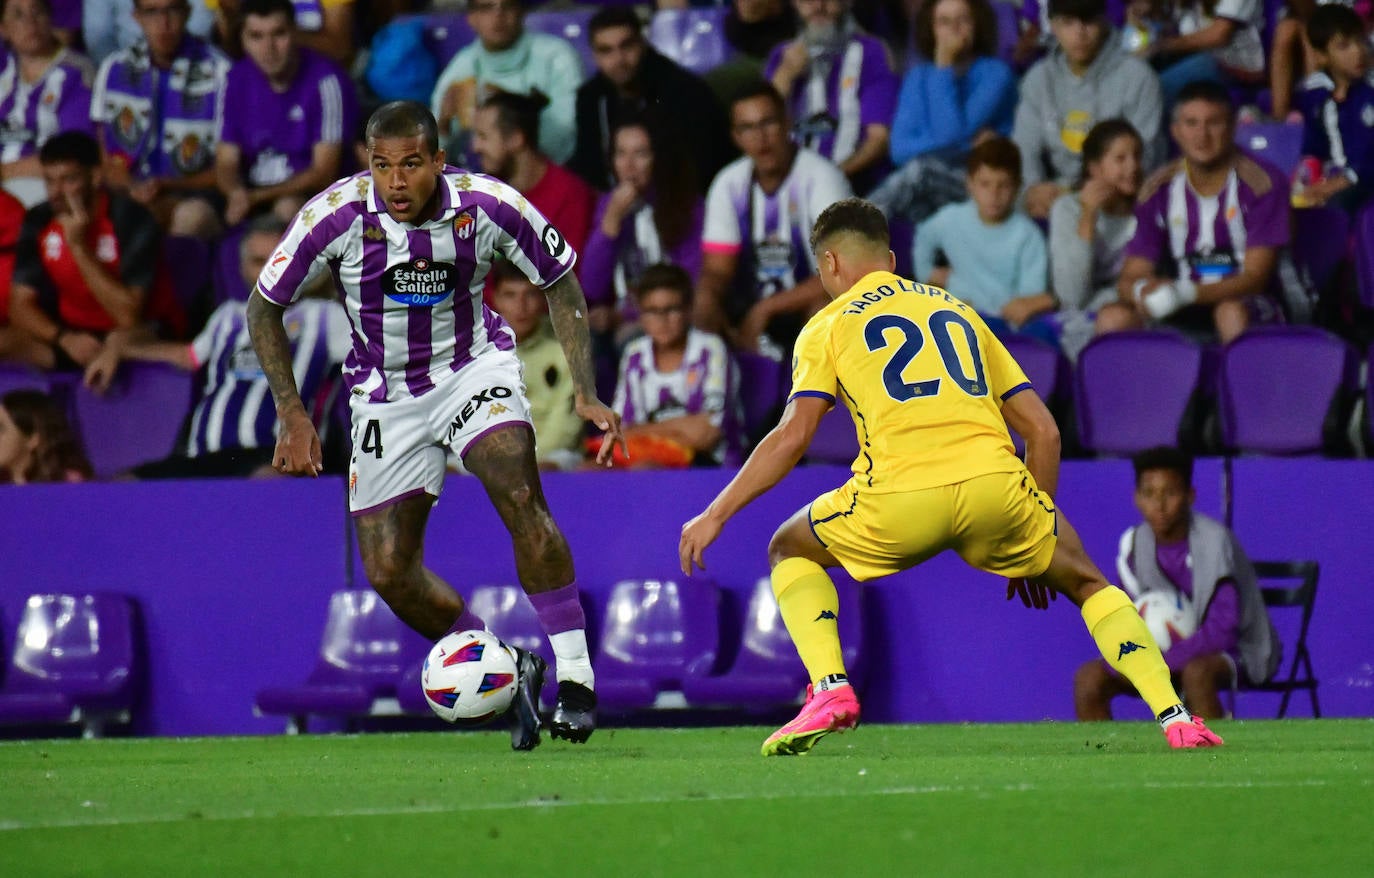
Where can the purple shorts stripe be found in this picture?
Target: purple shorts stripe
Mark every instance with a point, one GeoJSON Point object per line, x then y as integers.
{"type": "Point", "coordinates": [513, 422]}
{"type": "Point", "coordinates": [392, 501]}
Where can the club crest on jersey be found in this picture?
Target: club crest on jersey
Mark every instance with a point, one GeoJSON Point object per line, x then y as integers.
{"type": "Point", "coordinates": [420, 282]}
{"type": "Point", "coordinates": [463, 224]}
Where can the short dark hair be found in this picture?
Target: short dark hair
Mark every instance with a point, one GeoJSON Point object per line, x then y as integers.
{"type": "Point", "coordinates": [264, 8]}
{"type": "Point", "coordinates": [1100, 137]}
{"type": "Point", "coordinates": [517, 112]}
{"type": "Point", "coordinates": [614, 16]}
{"type": "Point", "coordinates": [854, 216]}
{"type": "Point", "coordinates": [663, 276]}
{"type": "Point", "coordinates": [1209, 91]}
{"type": "Point", "coordinates": [1082, 10]}
{"type": "Point", "coordinates": [1166, 458]}
{"type": "Point", "coordinates": [998, 153]}
{"type": "Point", "coordinates": [1330, 21]}
{"type": "Point", "coordinates": [403, 119]}
{"type": "Point", "coordinates": [503, 270]}
{"type": "Point", "coordinates": [70, 146]}
{"type": "Point", "coordinates": [757, 89]}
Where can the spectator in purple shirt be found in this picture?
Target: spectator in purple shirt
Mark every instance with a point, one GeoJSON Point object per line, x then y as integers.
{"type": "Point", "coordinates": [44, 88]}
{"type": "Point", "coordinates": [156, 106]}
{"type": "Point", "coordinates": [1177, 550]}
{"type": "Point", "coordinates": [1211, 233]}
{"type": "Point", "coordinates": [840, 89]}
{"type": "Point", "coordinates": [652, 215]}
{"type": "Point", "coordinates": [288, 111]}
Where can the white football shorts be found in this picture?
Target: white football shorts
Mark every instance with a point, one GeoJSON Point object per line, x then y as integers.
{"type": "Point", "coordinates": [400, 447]}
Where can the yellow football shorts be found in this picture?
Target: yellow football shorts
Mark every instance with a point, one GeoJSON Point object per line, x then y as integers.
{"type": "Point", "coordinates": [999, 522]}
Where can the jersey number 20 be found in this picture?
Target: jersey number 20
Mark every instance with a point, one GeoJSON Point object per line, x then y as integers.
{"type": "Point", "coordinates": [942, 326]}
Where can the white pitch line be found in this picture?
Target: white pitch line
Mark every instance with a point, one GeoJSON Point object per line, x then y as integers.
{"type": "Point", "coordinates": [90, 822]}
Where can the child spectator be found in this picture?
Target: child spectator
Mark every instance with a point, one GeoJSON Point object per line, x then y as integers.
{"type": "Point", "coordinates": [678, 392]}
{"type": "Point", "coordinates": [1291, 56]}
{"type": "Point", "coordinates": [37, 443]}
{"type": "Point", "coordinates": [959, 95]}
{"type": "Point", "coordinates": [1216, 40]}
{"type": "Point", "coordinates": [1090, 228]}
{"type": "Point", "coordinates": [44, 88]}
{"type": "Point", "coordinates": [840, 89]}
{"type": "Point", "coordinates": [1338, 113]}
{"type": "Point", "coordinates": [548, 381]}
{"type": "Point", "coordinates": [996, 255]}
{"type": "Point", "coordinates": [652, 215]}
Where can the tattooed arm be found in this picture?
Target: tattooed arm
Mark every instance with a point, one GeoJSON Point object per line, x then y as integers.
{"type": "Point", "coordinates": [568, 309]}
{"type": "Point", "coordinates": [298, 444]}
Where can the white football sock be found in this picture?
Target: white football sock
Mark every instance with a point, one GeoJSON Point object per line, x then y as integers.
{"type": "Point", "coordinates": [572, 661]}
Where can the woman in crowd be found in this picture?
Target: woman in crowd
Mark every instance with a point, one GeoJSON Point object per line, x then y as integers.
{"type": "Point", "coordinates": [653, 215]}
{"type": "Point", "coordinates": [36, 441]}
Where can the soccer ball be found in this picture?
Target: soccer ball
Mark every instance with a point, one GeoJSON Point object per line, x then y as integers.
{"type": "Point", "coordinates": [1169, 616]}
{"type": "Point", "coordinates": [469, 677]}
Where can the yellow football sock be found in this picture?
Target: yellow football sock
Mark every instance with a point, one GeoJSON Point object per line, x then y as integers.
{"type": "Point", "coordinates": [1126, 644]}
{"type": "Point", "coordinates": [810, 608]}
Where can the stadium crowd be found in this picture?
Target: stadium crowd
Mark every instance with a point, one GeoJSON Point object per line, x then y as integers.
{"type": "Point", "coordinates": [1069, 168]}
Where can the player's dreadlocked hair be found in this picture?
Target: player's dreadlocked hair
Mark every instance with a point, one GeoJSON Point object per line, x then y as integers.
{"type": "Point", "coordinates": [853, 215]}
{"type": "Point", "coordinates": [404, 119]}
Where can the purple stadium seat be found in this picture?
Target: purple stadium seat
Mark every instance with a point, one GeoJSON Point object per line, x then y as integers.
{"type": "Point", "coordinates": [1132, 389]}
{"type": "Point", "coordinates": [571, 25]}
{"type": "Point", "coordinates": [446, 33]}
{"type": "Point", "coordinates": [1364, 255]}
{"type": "Point", "coordinates": [1041, 363]}
{"type": "Point", "coordinates": [767, 673]}
{"type": "Point", "coordinates": [74, 662]}
{"type": "Point", "coordinates": [14, 376]}
{"type": "Point", "coordinates": [190, 263]}
{"type": "Point", "coordinates": [694, 38]}
{"type": "Point", "coordinates": [1278, 143]}
{"type": "Point", "coordinates": [655, 634]}
{"type": "Point", "coordinates": [903, 236]}
{"type": "Point", "coordinates": [762, 387]}
{"type": "Point", "coordinates": [835, 440]}
{"type": "Point", "coordinates": [1321, 242]}
{"type": "Point", "coordinates": [510, 616]}
{"type": "Point", "coordinates": [1278, 386]}
{"type": "Point", "coordinates": [1008, 28]}
{"type": "Point", "coordinates": [228, 280]}
{"type": "Point", "coordinates": [136, 420]}
{"type": "Point", "coordinates": [364, 652]}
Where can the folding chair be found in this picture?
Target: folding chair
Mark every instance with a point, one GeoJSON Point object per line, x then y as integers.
{"type": "Point", "coordinates": [1300, 597]}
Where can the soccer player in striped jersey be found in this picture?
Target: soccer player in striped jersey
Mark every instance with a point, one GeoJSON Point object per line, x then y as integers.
{"type": "Point", "coordinates": [409, 243]}
{"type": "Point", "coordinates": [932, 392]}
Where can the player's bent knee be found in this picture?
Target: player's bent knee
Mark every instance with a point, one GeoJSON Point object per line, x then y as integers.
{"type": "Point", "coordinates": [1091, 678]}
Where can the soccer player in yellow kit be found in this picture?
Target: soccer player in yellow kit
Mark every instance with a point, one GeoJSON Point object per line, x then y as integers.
{"type": "Point", "coordinates": [932, 391]}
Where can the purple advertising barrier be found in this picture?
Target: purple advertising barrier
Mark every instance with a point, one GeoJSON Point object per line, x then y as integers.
{"type": "Point", "coordinates": [232, 579]}
{"type": "Point", "coordinates": [1323, 510]}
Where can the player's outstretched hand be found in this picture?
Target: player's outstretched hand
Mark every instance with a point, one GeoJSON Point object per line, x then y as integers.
{"type": "Point", "coordinates": [1033, 594]}
{"type": "Point", "coordinates": [608, 422]}
{"type": "Point", "coordinates": [298, 448]}
{"type": "Point", "coordinates": [697, 534]}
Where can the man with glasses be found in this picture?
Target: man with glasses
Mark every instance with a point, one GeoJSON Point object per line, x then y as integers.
{"type": "Point", "coordinates": [505, 57]}
{"type": "Point", "coordinates": [758, 277]}
{"type": "Point", "coordinates": [155, 107]}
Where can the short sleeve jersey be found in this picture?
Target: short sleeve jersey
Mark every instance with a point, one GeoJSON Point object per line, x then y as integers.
{"type": "Point", "coordinates": [923, 377]}
{"type": "Point", "coordinates": [414, 293]}
{"type": "Point", "coordinates": [32, 112]}
{"type": "Point", "coordinates": [705, 382]}
{"type": "Point", "coordinates": [1205, 239]}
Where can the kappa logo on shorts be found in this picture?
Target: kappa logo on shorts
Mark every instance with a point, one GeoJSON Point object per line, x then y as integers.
{"type": "Point", "coordinates": [1127, 648]}
{"type": "Point", "coordinates": [473, 405]}
{"type": "Point", "coordinates": [496, 409]}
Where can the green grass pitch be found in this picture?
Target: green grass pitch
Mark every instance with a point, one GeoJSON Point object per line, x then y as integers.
{"type": "Point", "coordinates": [1283, 798]}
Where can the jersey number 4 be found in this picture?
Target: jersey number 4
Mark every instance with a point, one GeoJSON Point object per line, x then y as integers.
{"type": "Point", "coordinates": [943, 327]}
{"type": "Point", "coordinates": [372, 439]}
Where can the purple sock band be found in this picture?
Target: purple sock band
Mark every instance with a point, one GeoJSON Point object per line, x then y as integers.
{"type": "Point", "coordinates": [467, 621]}
{"type": "Point", "coordinates": [559, 610]}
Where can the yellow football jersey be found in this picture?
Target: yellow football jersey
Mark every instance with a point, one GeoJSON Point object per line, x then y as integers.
{"type": "Point", "coordinates": [923, 377]}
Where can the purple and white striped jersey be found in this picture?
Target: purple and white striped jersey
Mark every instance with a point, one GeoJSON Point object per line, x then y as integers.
{"type": "Point", "coordinates": [414, 293]}
{"type": "Point", "coordinates": [236, 408]}
{"type": "Point", "coordinates": [706, 382]}
{"type": "Point", "coordinates": [30, 113]}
